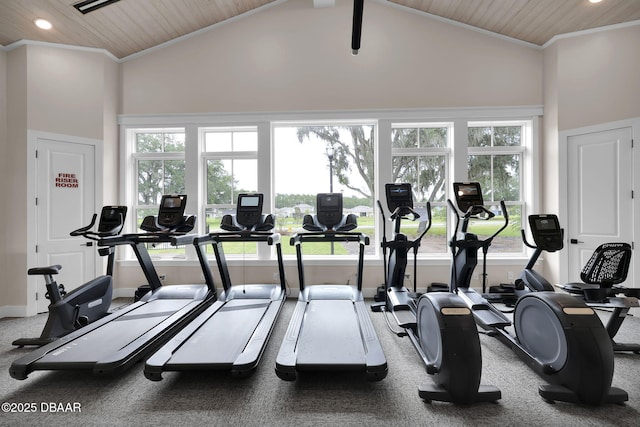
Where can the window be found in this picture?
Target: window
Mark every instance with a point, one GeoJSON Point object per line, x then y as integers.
{"type": "Point", "coordinates": [292, 157]}
{"type": "Point", "coordinates": [230, 157]}
{"type": "Point", "coordinates": [496, 160]}
{"type": "Point", "coordinates": [160, 169]}
{"type": "Point", "coordinates": [421, 157]}
{"type": "Point", "coordinates": [311, 158]}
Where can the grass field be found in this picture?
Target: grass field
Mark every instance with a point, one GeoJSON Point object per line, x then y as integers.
{"type": "Point", "coordinates": [289, 226]}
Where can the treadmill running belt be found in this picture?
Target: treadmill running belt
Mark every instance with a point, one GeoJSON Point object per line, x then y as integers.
{"type": "Point", "coordinates": [330, 335]}
{"type": "Point", "coordinates": [114, 335]}
{"type": "Point", "coordinates": [222, 337]}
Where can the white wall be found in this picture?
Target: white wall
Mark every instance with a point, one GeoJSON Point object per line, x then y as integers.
{"type": "Point", "coordinates": [598, 78]}
{"type": "Point", "coordinates": [15, 236]}
{"type": "Point", "coordinates": [589, 79]}
{"type": "Point", "coordinates": [292, 57]}
{"type": "Point", "coordinates": [57, 90]}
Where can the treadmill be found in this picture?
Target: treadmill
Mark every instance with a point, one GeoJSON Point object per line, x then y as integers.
{"type": "Point", "coordinates": [232, 333]}
{"type": "Point", "coordinates": [114, 343]}
{"type": "Point", "coordinates": [330, 329]}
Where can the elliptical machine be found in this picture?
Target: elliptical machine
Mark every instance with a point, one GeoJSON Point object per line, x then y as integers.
{"type": "Point", "coordinates": [72, 310]}
{"type": "Point", "coordinates": [548, 237]}
{"type": "Point", "coordinates": [574, 354]}
{"type": "Point", "coordinates": [439, 324]}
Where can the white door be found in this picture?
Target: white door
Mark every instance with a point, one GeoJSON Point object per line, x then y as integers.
{"type": "Point", "coordinates": [65, 201]}
{"type": "Point", "coordinates": [600, 185]}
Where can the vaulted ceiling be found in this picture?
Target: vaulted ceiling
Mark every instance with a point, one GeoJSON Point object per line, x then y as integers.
{"type": "Point", "coordinates": [126, 27]}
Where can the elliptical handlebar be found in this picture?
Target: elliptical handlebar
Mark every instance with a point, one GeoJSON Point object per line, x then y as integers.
{"type": "Point", "coordinates": [474, 213]}
{"type": "Point", "coordinates": [401, 211]}
{"type": "Point", "coordinates": [429, 222]}
{"type": "Point", "coordinates": [505, 214]}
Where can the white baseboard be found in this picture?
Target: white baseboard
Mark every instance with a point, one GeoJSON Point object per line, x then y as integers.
{"type": "Point", "coordinates": [13, 311]}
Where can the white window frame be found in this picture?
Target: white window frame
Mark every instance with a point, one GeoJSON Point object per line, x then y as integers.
{"type": "Point", "coordinates": [205, 156]}
{"type": "Point", "coordinates": [383, 120]}
{"type": "Point", "coordinates": [428, 152]}
{"type": "Point", "coordinates": [526, 177]}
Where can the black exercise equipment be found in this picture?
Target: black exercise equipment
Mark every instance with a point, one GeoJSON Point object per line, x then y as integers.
{"type": "Point", "coordinates": [601, 277]}
{"type": "Point", "coordinates": [439, 324]}
{"type": "Point", "coordinates": [556, 335]}
{"type": "Point", "coordinates": [232, 333]}
{"type": "Point", "coordinates": [548, 237]}
{"type": "Point", "coordinates": [116, 342]}
{"type": "Point", "coordinates": [87, 303]}
{"type": "Point", "coordinates": [330, 329]}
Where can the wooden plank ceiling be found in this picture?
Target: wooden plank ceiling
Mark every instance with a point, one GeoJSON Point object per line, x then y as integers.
{"type": "Point", "coordinates": [130, 26]}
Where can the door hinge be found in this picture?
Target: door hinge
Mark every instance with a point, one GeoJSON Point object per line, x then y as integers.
{"type": "Point", "coordinates": [633, 246]}
{"type": "Point", "coordinates": [36, 154]}
{"type": "Point", "coordinates": [36, 201]}
{"type": "Point", "coordinates": [36, 248]}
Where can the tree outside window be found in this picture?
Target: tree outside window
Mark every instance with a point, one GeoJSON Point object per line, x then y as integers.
{"type": "Point", "coordinates": [420, 157]}
{"type": "Point", "coordinates": [160, 166]}
{"type": "Point", "coordinates": [312, 159]}
{"type": "Point", "coordinates": [231, 168]}
{"type": "Point", "coordinates": [495, 161]}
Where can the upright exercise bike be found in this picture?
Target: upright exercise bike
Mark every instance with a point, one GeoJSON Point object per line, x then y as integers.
{"type": "Point", "coordinates": [69, 311]}
{"type": "Point", "coordinates": [556, 335]}
{"type": "Point", "coordinates": [439, 324]}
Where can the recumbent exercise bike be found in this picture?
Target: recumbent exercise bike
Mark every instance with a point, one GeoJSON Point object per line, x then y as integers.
{"type": "Point", "coordinates": [71, 310]}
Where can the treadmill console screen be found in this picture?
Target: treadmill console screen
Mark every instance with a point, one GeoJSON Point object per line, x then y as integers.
{"type": "Point", "coordinates": [398, 196]}
{"type": "Point", "coordinates": [249, 209]}
{"type": "Point", "coordinates": [329, 209]}
{"type": "Point", "coordinates": [112, 219]}
{"type": "Point", "coordinates": [171, 210]}
{"type": "Point", "coordinates": [546, 232]}
{"type": "Point", "coordinates": [468, 194]}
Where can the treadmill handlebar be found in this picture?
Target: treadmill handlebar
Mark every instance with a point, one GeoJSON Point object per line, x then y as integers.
{"type": "Point", "coordinates": [135, 238]}
{"type": "Point", "coordinates": [325, 236]}
{"type": "Point", "coordinates": [184, 240]}
{"type": "Point", "coordinates": [239, 236]}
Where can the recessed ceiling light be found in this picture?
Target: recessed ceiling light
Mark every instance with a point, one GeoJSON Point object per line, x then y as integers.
{"type": "Point", "coordinates": [595, 1]}
{"type": "Point", "coordinates": [42, 23]}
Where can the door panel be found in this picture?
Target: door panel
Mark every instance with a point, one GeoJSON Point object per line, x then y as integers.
{"type": "Point", "coordinates": [65, 191]}
{"type": "Point", "coordinates": [600, 182]}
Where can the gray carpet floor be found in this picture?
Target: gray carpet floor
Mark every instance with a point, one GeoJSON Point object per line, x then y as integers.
{"type": "Point", "coordinates": [216, 398]}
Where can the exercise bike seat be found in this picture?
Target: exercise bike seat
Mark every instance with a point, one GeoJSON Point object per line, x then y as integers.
{"type": "Point", "coordinates": [607, 267]}
{"type": "Point", "coordinates": [52, 269]}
